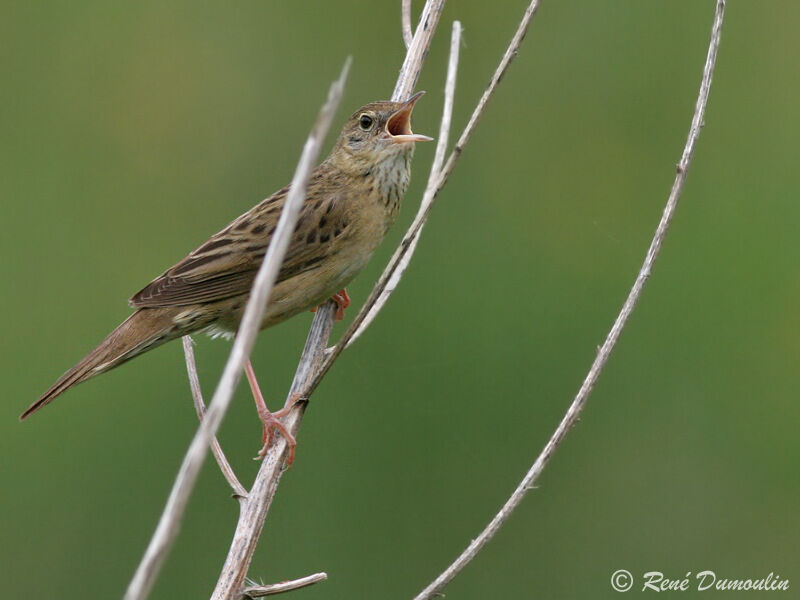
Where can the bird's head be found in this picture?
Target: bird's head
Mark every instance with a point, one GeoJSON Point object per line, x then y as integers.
{"type": "Point", "coordinates": [376, 132]}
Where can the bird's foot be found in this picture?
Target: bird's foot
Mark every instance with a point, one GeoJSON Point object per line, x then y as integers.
{"type": "Point", "coordinates": [342, 301]}
{"type": "Point", "coordinates": [271, 420]}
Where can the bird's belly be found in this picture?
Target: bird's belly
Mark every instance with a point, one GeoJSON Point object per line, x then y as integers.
{"type": "Point", "coordinates": [306, 291]}
{"type": "Point", "coordinates": [295, 295]}
{"type": "Point", "coordinates": [347, 257]}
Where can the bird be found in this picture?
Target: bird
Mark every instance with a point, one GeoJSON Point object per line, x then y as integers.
{"type": "Point", "coordinates": [353, 197]}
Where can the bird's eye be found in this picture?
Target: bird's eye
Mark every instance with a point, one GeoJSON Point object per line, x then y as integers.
{"type": "Point", "coordinates": [365, 122]}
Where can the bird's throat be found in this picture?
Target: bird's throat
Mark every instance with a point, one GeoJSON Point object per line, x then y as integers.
{"type": "Point", "coordinates": [391, 178]}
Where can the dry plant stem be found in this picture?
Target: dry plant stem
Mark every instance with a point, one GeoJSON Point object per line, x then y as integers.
{"type": "Point", "coordinates": [315, 361]}
{"type": "Point", "coordinates": [418, 50]}
{"type": "Point", "coordinates": [200, 408]}
{"type": "Point", "coordinates": [261, 591]}
{"type": "Point", "coordinates": [431, 192]}
{"type": "Point", "coordinates": [169, 523]}
{"type": "Point", "coordinates": [408, 35]}
{"type": "Point", "coordinates": [253, 511]}
{"type": "Point", "coordinates": [449, 97]}
{"type": "Point", "coordinates": [402, 257]}
{"type": "Point", "coordinates": [502, 67]}
{"type": "Point", "coordinates": [571, 416]}
{"type": "Point", "coordinates": [239, 492]}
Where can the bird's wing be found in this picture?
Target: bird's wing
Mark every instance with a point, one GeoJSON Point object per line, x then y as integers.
{"type": "Point", "coordinates": [226, 265]}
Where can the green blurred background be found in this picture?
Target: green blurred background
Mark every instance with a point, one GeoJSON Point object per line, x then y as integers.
{"type": "Point", "coordinates": [131, 132]}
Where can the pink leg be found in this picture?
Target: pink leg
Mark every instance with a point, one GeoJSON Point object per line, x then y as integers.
{"type": "Point", "coordinates": [269, 420]}
{"type": "Point", "coordinates": [342, 301]}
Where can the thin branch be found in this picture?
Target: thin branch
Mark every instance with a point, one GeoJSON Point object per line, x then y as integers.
{"type": "Point", "coordinates": [248, 529]}
{"type": "Point", "coordinates": [431, 193]}
{"type": "Point", "coordinates": [260, 591]}
{"type": "Point", "coordinates": [169, 523]}
{"type": "Point", "coordinates": [418, 50]}
{"type": "Point", "coordinates": [200, 408]}
{"type": "Point", "coordinates": [502, 67]}
{"type": "Point", "coordinates": [402, 257]}
{"type": "Point", "coordinates": [571, 416]}
{"type": "Point", "coordinates": [254, 510]}
{"type": "Point", "coordinates": [408, 35]}
{"type": "Point", "coordinates": [449, 97]}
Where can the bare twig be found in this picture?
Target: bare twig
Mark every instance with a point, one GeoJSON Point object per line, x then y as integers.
{"type": "Point", "coordinates": [449, 97]}
{"type": "Point", "coordinates": [431, 192]}
{"type": "Point", "coordinates": [571, 416]}
{"type": "Point", "coordinates": [502, 67]}
{"type": "Point", "coordinates": [248, 529]}
{"type": "Point", "coordinates": [405, 251]}
{"type": "Point", "coordinates": [315, 362]}
{"type": "Point", "coordinates": [260, 591]}
{"type": "Point", "coordinates": [408, 35]}
{"type": "Point", "coordinates": [418, 50]}
{"type": "Point", "coordinates": [200, 408]}
{"type": "Point", "coordinates": [169, 523]}
{"type": "Point", "coordinates": [253, 511]}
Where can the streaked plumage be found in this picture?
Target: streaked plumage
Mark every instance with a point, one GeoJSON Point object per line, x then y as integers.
{"type": "Point", "coordinates": [353, 198]}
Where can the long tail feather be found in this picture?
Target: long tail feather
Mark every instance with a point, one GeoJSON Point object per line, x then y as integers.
{"type": "Point", "coordinates": [143, 330]}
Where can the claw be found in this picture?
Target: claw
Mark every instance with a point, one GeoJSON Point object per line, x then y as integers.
{"type": "Point", "coordinates": [342, 301]}
{"type": "Point", "coordinates": [269, 420]}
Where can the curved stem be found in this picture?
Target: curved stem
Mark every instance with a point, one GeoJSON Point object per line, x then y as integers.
{"type": "Point", "coordinates": [571, 416]}
{"type": "Point", "coordinates": [408, 35]}
{"type": "Point", "coordinates": [432, 191]}
{"type": "Point", "coordinates": [200, 408]}
{"type": "Point", "coordinates": [397, 265]}
{"type": "Point", "coordinates": [254, 510]}
{"type": "Point", "coordinates": [169, 523]}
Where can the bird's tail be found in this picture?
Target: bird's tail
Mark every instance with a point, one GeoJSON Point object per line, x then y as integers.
{"type": "Point", "coordinates": [143, 330]}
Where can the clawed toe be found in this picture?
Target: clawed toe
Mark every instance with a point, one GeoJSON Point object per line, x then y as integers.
{"type": "Point", "coordinates": [342, 301]}
{"type": "Point", "coordinates": [271, 422]}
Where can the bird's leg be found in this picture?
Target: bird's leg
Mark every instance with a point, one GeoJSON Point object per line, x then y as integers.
{"type": "Point", "coordinates": [342, 301]}
{"type": "Point", "coordinates": [269, 420]}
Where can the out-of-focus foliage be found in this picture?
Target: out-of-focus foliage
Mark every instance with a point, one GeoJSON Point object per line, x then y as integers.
{"type": "Point", "coordinates": [129, 132]}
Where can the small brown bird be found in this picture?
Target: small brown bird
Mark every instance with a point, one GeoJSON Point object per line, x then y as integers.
{"type": "Point", "coordinates": [353, 198]}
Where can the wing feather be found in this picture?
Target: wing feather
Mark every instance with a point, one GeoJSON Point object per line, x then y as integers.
{"type": "Point", "coordinates": [226, 265]}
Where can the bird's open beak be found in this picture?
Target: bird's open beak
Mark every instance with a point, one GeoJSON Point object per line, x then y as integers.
{"type": "Point", "coordinates": [399, 124]}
